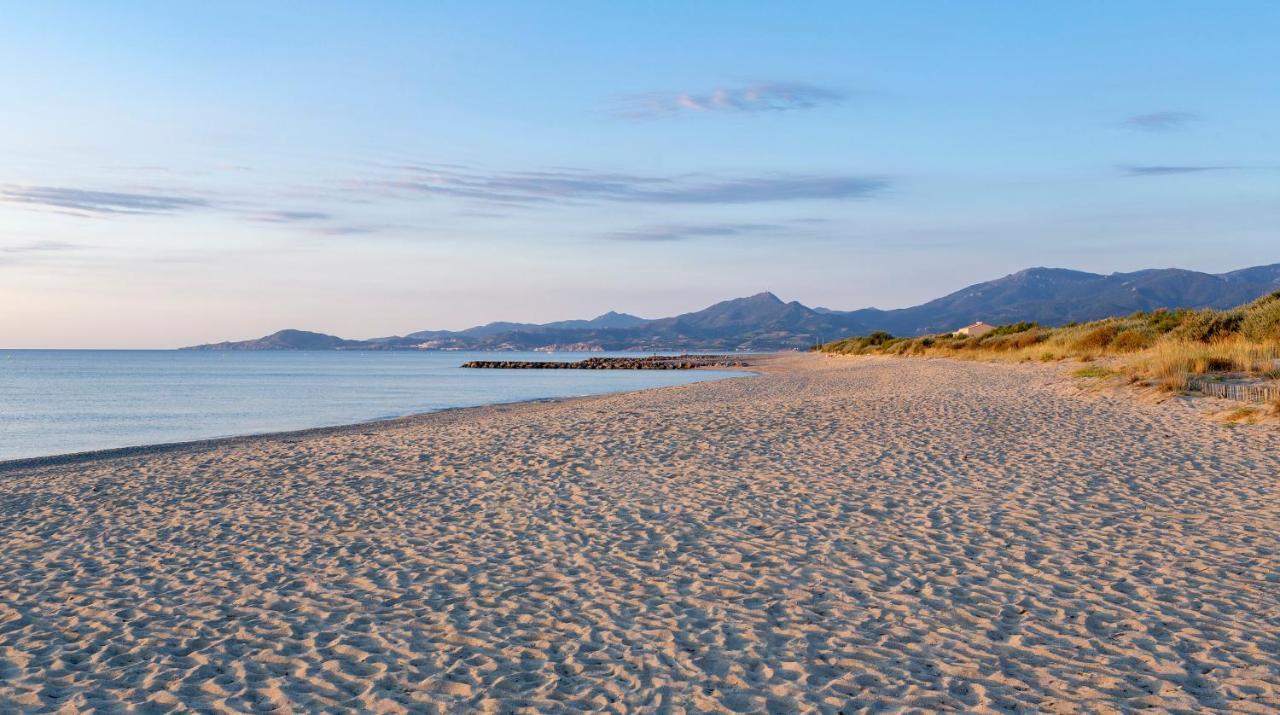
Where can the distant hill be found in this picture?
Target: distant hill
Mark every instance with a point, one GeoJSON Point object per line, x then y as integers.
{"type": "Point", "coordinates": [1049, 296]}
{"type": "Point", "coordinates": [1054, 296]}
{"type": "Point", "coordinates": [607, 321]}
{"type": "Point", "coordinates": [286, 340]}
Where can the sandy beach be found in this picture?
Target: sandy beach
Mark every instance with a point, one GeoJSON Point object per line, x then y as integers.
{"type": "Point", "coordinates": [835, 535]}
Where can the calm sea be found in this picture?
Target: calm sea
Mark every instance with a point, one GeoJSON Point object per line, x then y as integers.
{"type": "Point", "coordinates": [60, 401]}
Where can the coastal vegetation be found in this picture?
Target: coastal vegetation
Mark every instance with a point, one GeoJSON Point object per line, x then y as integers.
{"type": "Point", "coordinates": [1164, 348]}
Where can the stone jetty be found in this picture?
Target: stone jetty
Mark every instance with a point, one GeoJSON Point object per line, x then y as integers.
{"type": "Point", "coordinates": [655, 362]}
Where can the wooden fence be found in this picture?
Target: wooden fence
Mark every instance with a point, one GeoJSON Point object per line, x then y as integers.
{"type": "Point", "coordinates": [1235, 390]}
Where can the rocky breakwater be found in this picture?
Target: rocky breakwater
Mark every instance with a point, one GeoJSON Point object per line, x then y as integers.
{"type": "Point", "coordinates": [655, 362]}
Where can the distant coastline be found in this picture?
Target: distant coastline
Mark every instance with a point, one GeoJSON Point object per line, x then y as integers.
{"type": "Point", "coordinates": [765, 323]}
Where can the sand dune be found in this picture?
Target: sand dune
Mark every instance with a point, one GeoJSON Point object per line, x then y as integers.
{"type": "Point", "coordinates": [839, 535]}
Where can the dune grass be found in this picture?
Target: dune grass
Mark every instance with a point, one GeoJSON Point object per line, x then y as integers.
{"type": "Point", "coordinates": [1092, 371]}
{"type": "Point", "coordinates": [1241, 414]}
{"type": "Point", "coordinates": [1165, 348]}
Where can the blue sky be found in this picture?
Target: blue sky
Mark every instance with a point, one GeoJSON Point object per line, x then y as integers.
{"type": "Point", "coordinates": [178, 172]}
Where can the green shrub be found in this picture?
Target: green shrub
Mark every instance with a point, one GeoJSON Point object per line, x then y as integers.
{"type": "Point", "coordinates": [1132, 340]}
{"type": "Point", "coordinates": [879, 337]}
{"type": "Point", "coordinates": [1208, 325]}
{"type": "Point", "coordinates": [861, 345]}
{"type": "Point", "coordinates": [1027, 339]}
{"type": "Point", "coordinates": [1097, 338]}
{"type": "Point", "coordinates": [1011, 329]}
{"type": "Point", "coordinates": [1262, 319]}
{"type": "Point", "coordinates": [1162, 321]}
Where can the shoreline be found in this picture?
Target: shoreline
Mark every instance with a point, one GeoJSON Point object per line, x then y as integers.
{"type": "Point", "coordinates": [401, 421]}
{"type": "Point", "coordinates": [839, 534]}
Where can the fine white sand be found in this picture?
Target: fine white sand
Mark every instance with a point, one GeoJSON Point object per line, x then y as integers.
{"type": "Point", "coordinates": [838, 535]}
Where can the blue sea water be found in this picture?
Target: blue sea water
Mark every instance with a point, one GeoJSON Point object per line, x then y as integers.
{"type": "Point", "coordinates": [61, 401]}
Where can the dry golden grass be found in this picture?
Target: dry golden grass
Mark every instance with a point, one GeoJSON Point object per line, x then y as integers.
{"type": "Point", "coordinates": [1162, 348]}
{"type": "Point", "coordinates": [1239, 415]}
{"type": "Point", "coordinates": [1250, 415]}
{"type": "Point", "coordinates": [1172, 363]}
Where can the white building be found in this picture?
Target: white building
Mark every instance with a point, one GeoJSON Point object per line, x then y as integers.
{"type": "Point", "coordinates": [976, 330]}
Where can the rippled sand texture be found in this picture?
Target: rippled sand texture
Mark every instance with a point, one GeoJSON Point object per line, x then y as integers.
{"type": "Point", "coordinates": [839, 535]}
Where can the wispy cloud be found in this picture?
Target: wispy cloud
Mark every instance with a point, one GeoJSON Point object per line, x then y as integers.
{"type": "Point", "coordinates": [676, 232]}
{"type": "Point", "coordinates": [759, 97]}
{"type": "Point", "coordinates": [775, 188]}
{"type": "Point", "coordinates": [1159, 170]}
{"type": "Point", "coordinates": [1161, 121]}
{"type": "Point", "coordinates": [292, 216]}
{"type": "Point", "coordinates": [34, 252]}
{"type": "Point", "coordinates": [350, 230]}
{"type": "Point", "coordinates": [99, 202]}
{"type": "Point", "coordinates": [320, 223]}
{"type": "Point", "coordinates": [566, 186]}
{"type": "Point", "coordinates": [323, 223]}
{"type": "Point", "coordinates": [41, 247]}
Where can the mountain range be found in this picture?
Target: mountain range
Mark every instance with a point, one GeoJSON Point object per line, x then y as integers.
{"type": "Point", "coordinates": [763, 322]}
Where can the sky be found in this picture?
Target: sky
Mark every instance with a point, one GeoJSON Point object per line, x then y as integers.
{"type": "Point", "coordinates": [179, 173]}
